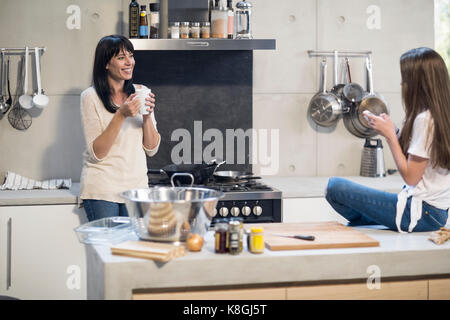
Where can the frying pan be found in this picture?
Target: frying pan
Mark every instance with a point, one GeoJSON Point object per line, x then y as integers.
{"type": "Point", "coordinates": [324, 107]}
{"type": "Point", "coordinates": [372, 101]}
{"type": "Point", "coordinates": [353, 92]}
{"type": "Point", "coordinates": [228, 176]}
{"type": "Point", "coordinates": [201, 172]}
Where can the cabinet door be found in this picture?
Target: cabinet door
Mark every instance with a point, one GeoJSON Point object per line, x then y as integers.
{"type": "Point", "coordinates": [4, 253]}
{"type": "Point", "coordinates": [47, 260]}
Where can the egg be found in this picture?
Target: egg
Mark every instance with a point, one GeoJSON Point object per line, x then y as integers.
{"type": "Point", "coordinates": [194, 242]}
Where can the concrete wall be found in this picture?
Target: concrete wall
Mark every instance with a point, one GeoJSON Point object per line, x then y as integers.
{"type": "Point", "coordinates": [284, 80]}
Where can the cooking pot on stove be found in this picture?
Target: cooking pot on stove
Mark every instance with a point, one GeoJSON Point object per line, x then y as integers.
{"type": "Point", "coordinates": [170, 214]}
{"type": "Point", "coordinates": [201, 172]}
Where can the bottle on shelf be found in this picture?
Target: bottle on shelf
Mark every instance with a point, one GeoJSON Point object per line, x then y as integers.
{"type": "Point", "coordinates": [154, 20]}
{"type": "Point", "coordinates": [219, 21]}
{"type": "Point", "coordinates": [230, 19]}
{"type": "Point", "coordinates": [133, 19]}
{"type": "Point", "coordinates": [143, 23]}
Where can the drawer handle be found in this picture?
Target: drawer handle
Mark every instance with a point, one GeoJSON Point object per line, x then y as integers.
{"type": "Point", "coordinates": [198, 43]}
{"type": "Point", "coordinates": [8, 253]}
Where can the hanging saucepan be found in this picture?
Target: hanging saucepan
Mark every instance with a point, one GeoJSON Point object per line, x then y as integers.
{"type": "Point", "coordinates": [201, 172]}
{"type": "Point", "coordinates": [351, 110]}
{"type": "Point", "coordinates": [338, 88]}
{"type": "Point", "coordinates": [324, 107]}
{"type": "Point", "coordinates": [372, 101]}
{"type": "Point", "coordinates": [233, 176]}
{"type": "Point", "coordinates": [353, 92]}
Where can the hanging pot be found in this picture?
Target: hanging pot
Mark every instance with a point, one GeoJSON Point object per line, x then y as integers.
{"type": "Point", "coordinates": [324, 107]}
{"type": "Point", "coordinates": [352, 92]}
{"type": "Point", "coordinates": [233, 176]}
{"type": "Point", "coordinates": [372, 101]}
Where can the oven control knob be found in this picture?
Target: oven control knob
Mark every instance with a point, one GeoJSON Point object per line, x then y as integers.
{"type": "Point", "coordinates": [257, 210]}
{"type": "Point", "coordinates": [246, 211]}
{"type": "Point", "coordinates": [235, 211]}
{"type": "Point", "coordinates": [223, 211]}
{"type": "Point", "coordinates": [215, 212]}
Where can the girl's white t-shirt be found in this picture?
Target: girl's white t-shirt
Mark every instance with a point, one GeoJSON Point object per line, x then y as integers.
{"type": "Point", "coordinates": [434, 187]}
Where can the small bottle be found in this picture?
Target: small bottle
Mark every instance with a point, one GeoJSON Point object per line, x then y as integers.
{"type": "Point", "coordinates": [206, 30]}
{"type": "Point", "coordinates": [175, 30]}
{"type": "Point", "coordinates": [195, 30]}
{"type": "Point", "coordinates": [143, 23]}
{"type": "Point", "coordinates": [154, 20]}
{"type": "Point", "coordinates": [230, 19]}
{"type": "Point", "coordinates": [256, 240]}
{"type": "Point", "coordinates": [221, 230]}
{"type": "Point", "coordinates": [184, 30]}
{"type": "Point", "coordinates": [133, 19]}
{"type": "Point", "coordinates": [234, 237]}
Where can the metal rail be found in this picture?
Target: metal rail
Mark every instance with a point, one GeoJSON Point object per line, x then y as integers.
{"type": "Point", "coordinates": [20, 51]}
{"type": "Point", "coordinates": [342, 54]}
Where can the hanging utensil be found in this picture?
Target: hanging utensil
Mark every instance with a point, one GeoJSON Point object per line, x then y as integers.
{"type": "Point", "coordinates": [3, 106]}
{"type": "Point", "coordinates": [25, 100]}
{"type": "Point", "coordinates": [353, 92]}
{"type": "Point", "coordinates": [40, 100]}
{"type": "Point", "coordinates": [324, 107]}
{"type": "Point", "coordinates": [9, 101]}
{"type": "Point", "coordinates": [372, 102]}
{"type": "Point", "coordinates": [18, 117]}
{"type": "Point", "coordinates": [337, 87]}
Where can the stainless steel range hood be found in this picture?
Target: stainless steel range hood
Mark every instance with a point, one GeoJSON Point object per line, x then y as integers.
{"type": "Point", "coordinates": [204, 44]}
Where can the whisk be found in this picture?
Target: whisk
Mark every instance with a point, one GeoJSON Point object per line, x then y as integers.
{"type": "Point", "coordinates": [18, 117]}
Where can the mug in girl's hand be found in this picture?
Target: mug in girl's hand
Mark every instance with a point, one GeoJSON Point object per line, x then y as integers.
{"type": "Point", "coordinates": [143, 93]}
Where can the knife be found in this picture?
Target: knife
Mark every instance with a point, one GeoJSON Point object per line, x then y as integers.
{"type": "Point", "coordinates": [296, 236]}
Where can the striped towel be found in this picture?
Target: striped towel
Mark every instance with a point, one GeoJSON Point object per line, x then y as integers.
{"type": "Point", "coordinates": [14, 181]}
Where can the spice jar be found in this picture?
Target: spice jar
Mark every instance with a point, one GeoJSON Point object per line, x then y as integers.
{"type": "Point", "coordinates": [219, 22]}
{"type": "Point", "coordinates": [195, 30]}
{"type": "Point", "coordinates": [221, 231]}
{"type": "Point", "coordinates": [256, 240]}
{"type": "Point", "coordinates": [184, 30]}
{"type": "Point", "coordinates": [241, 229]}
{"type": "Point", "coordinates": [206, 29]}
{"type": "Point", "coordinates": [234, 237]}
{"type": "Point", "coordinates": [175, 30]}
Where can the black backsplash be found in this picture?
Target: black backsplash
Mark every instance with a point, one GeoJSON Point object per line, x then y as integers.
{"type": "Point", "coordinates": [212, 88]}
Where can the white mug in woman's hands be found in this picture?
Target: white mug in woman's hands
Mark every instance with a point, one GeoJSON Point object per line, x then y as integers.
{"type": "Point", "coordinates": [142, 94]}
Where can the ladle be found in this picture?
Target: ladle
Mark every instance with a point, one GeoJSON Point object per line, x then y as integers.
{"type": "Point", "coordinates": [40, 100]}
{"type": "Point", "coordinates": [9, 101]}
{"type": "Point", "coordinates": [3, 106]}
{"type": "Point", "coordinates": [25, 100]}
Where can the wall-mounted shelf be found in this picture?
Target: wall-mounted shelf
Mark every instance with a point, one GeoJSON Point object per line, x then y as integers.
{"type": "Point", "coordinates": [204, 44]}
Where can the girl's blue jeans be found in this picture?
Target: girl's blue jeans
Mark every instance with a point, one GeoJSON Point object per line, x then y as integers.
{"type": "Point", "coordinates": [362, 205]}
{"type": "Point", "coordinates": [98, 209]}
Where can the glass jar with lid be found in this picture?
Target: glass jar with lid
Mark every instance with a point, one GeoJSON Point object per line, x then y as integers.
{"type": "Point", "coordinates": [243, 16]}
{"type": "Point", "coordinates": [206, 29]}
{"type": "Point", "coordinates": [175, 30]}
{"type": "Point", "coordinates": [221, 236]}
{"type": "Point", "coordinates": [256, 240]}
{"type": "Point", "coordinates": [184, 30]}
{"type": "Point", "coordinates": [219, 22]}
{"type": "Point", "coordinates": [195, 30]}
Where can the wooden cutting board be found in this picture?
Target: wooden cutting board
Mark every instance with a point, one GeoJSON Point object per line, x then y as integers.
{"type": "Point", "coordinates": [329, 234]}
{"type": "Point", "coordinates": [149, 250]}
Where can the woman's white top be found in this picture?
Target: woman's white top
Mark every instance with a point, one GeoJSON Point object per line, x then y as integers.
{"type": "Point", "coordinates": [434, 187]}
{"type": "Point", "coordinates": [125, 165]}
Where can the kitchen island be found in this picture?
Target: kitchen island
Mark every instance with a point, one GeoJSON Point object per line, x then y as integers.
{"type": "Point", "coordinates": [404, 266]}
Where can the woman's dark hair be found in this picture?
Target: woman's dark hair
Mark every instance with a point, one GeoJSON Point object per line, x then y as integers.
{"type": "Point", "coordinates": [107, 48]}
{"type": "Point", "coordinates": [426, 86]}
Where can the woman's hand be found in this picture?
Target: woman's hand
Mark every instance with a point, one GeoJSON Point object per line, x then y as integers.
{"type": "Point", "coordinates": [381, 124]}
{"type": "Point", "coordinates": [150, 104]}
{"type": "Point", "coordinates": [130, 108]}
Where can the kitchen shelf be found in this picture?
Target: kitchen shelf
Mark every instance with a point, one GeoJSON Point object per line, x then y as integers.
{"type": "Point", "coordinates": [204, 44]}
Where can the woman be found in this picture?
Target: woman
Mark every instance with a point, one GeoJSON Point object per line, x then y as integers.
{"type": "Point", "coordinates": [421, 153]}
{"type": "Point", "coordinates": [117, 136]}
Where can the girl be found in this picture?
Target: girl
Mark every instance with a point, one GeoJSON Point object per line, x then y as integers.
{"type": "Point", "coordinates": [421, 153]}
{"type": "Point", "coordinates": [117, 136]}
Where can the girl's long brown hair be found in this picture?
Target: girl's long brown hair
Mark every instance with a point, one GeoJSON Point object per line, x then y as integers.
{"type": "Point", "coordinates": [426, 86]}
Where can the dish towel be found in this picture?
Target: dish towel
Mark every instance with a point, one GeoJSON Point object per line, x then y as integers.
{"type": "Point", "coordinates": [14, 181]}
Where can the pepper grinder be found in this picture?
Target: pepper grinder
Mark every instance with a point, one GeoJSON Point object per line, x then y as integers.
{"type": "Point", "coordinates": [243, 20]}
